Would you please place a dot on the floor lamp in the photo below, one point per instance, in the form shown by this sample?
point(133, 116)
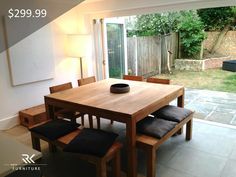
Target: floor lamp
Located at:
point(79, 46)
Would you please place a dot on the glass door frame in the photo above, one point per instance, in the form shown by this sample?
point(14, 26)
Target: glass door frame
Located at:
point(116, 20)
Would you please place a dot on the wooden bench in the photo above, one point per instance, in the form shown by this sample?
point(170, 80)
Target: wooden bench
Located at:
point(113, 154)
point(150, 144)
point(32, 116)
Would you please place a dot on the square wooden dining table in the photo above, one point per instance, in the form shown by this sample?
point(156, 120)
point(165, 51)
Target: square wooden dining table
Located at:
point(129, 108)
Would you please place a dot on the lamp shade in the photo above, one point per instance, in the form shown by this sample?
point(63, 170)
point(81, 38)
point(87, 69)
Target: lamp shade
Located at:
point(79, 45)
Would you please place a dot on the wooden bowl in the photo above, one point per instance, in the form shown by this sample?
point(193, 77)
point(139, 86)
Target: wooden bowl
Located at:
point(119, 88)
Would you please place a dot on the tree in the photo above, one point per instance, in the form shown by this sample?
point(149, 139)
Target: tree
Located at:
point(192, 34)
point(218, 19)
point(154, 24)
point(187, 23)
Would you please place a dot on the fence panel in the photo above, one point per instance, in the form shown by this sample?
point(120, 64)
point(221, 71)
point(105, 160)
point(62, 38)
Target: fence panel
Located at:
point(146, 52)
point(132, 54)
point(149, 56)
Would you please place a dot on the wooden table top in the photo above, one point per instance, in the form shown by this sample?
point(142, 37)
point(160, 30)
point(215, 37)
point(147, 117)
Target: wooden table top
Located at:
point(142, 99)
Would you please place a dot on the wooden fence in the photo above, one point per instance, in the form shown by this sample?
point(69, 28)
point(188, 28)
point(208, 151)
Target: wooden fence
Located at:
point(148, 56)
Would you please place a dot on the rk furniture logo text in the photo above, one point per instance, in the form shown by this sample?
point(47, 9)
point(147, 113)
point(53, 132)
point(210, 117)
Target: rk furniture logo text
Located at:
point(27, 158)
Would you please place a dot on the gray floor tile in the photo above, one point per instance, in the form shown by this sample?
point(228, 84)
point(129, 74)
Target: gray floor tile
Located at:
point(202, 109)
point(233, 121)
point(228, 105)
point(197, 163)
point(207, 128)
point(169, 149)
point(233, 154)
point(163, 171)
point(224, 117)
point(229, 169)
point(199, 115)
point(212, 144)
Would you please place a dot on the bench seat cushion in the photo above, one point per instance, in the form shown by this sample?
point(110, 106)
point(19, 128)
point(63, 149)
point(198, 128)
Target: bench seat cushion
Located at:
point(92, 142)
point(155, 127)
point(172, 113)
point(55, 128)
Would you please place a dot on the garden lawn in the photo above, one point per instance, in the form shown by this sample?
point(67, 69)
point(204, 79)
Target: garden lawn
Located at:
point(211, 79)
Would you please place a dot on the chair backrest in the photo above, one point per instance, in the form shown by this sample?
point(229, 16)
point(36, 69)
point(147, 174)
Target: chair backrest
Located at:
point(87, 80)
point(134, 78)
point(158, 81)
point(61, 87)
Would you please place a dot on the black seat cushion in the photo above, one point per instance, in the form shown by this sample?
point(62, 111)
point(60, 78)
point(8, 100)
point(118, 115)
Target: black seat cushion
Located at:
point(172, 113)
point(92, 142)
point(55, 128)
point(155, 127)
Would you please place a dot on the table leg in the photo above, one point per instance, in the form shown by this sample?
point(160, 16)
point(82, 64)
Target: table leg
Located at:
point(131, 148)
point(180, 103)
point(49, 111)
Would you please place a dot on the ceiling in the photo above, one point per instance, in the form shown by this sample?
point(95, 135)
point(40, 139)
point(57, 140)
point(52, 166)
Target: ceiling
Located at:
point(111, 8)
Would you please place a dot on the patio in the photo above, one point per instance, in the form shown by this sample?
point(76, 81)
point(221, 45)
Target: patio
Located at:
point(212, 105)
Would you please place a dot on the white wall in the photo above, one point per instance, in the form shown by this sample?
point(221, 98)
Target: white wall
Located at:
point(20, 97)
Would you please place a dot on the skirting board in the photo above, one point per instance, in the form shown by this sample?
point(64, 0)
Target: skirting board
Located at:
point(9, 122)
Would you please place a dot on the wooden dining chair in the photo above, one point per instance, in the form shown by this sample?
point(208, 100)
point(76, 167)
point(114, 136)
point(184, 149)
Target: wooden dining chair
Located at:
point(61, 87)
point(85, 81)
point(62, 112)
point(94, 146)
point(133, 78)
point(84, 143)
point(158, 80)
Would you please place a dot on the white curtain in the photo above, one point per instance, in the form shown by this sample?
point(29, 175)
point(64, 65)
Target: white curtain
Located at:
point(99, 48)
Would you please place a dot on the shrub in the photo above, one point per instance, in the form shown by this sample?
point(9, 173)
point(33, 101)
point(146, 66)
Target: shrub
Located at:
point(191, 32)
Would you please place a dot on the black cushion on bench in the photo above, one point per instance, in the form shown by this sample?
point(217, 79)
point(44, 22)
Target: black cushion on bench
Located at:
point(55, 128)
point(155, 127)
point(172, 113)
point(92, 141)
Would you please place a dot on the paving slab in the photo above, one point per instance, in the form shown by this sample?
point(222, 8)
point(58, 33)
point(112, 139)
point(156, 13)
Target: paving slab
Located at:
point(214, 106)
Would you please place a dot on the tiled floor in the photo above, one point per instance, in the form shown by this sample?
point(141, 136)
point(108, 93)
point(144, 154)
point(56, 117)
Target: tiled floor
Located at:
point(211, 153)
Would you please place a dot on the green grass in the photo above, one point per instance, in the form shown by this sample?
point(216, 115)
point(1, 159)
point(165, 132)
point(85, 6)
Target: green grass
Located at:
point(212, 79)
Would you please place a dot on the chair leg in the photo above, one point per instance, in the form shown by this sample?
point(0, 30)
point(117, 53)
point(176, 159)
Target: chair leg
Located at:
point(52, 147)
point(101, 169)
point(151, 162)
point(180, 131)
point(73, 120)
point(116, 165)
point(189, 130)
point(35, 143)
point(82, 119)
point(90, 121)
point(98, 122)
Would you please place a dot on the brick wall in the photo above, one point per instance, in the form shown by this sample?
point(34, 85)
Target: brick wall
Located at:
point(228, 46)
point(214, 62)
point(199, 65)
